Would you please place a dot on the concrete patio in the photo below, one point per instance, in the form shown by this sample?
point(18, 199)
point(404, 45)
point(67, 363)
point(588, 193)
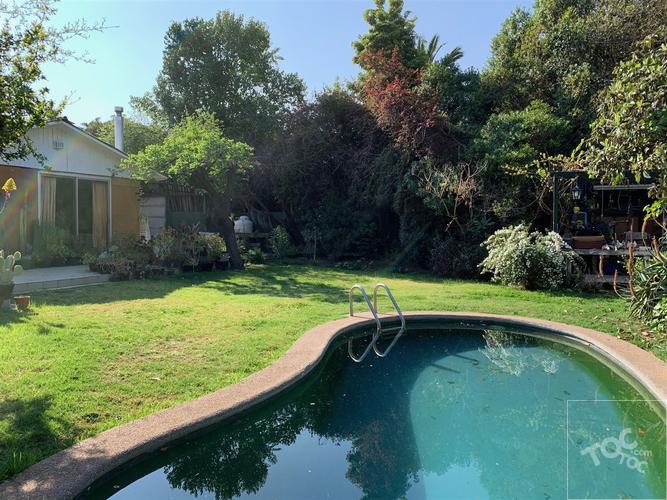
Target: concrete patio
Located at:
point(50, 278)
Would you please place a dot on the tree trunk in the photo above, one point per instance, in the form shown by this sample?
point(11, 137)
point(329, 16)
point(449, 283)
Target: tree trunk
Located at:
point(228, 234)
point(223, 219)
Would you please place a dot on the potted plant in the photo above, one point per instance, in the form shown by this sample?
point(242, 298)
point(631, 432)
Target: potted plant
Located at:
point(22, 302)
point(90, 260)
point(8, 270)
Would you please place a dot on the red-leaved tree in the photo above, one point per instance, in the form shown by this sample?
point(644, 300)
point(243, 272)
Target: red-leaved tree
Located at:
point(404, 106)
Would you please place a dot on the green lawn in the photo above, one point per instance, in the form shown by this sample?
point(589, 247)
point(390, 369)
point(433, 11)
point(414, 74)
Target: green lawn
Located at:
point(87, 359)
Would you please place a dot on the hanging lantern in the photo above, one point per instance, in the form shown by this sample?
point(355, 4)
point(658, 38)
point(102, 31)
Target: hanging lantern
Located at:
point(577, 192)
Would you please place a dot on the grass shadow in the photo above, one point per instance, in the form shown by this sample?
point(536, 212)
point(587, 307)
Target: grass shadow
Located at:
point(29, 434)
point(9, 317)
point(278, 281)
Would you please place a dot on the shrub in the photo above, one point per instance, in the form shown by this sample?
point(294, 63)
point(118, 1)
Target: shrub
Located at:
point(137, 250)
point(453, 258)
point(648, 290)
point(279, 242)
point(181, 246)
point(165, 246)
point(52, 246)
point(530, 260)
point(253, 256)
point(215, 247)
point(658, 320)
point(192, 244)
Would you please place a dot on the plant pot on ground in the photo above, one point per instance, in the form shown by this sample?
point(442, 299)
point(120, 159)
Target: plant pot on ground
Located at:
point(22, 302)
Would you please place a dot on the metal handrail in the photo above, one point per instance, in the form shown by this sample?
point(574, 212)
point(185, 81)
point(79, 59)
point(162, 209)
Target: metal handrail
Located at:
point(373, 309)
point(398, 311)
point(377, 323)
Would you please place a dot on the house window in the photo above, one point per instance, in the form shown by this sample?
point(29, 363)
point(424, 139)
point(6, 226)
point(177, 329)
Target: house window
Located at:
point(78, 205)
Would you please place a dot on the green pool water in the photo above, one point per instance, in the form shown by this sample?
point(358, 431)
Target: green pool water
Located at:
point(450, 413)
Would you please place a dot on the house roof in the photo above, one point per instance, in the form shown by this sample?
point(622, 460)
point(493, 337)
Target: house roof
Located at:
point(88, 135)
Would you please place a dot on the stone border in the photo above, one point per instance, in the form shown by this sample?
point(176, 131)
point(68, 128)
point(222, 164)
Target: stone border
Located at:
point(70, 472)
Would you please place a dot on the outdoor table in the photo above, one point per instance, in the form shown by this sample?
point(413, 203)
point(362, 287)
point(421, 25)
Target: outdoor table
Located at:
point(601, 254)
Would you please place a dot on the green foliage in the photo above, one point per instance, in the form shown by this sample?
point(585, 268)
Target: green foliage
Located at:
point(253, 256)
point(126, 258)
point(227, 66)
point(192, 244)
point(343, 232)
point(658, 320)
point(391, 28)
point(52, 246)
point(181, 247)
point(215, 247)
point(9, 268)
point(533, 261)
point(279, 242)
point(451, 257)
point(29, 40)
point(332, 171)
point(648, 291)
point(459, 94)
point(196, 154)
point(564, 51)
point(167, 248)
point(629, 137)
point(136, 136)
point(513, 141)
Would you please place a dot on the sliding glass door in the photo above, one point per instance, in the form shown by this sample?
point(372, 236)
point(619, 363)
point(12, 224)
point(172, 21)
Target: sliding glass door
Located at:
point(78, 205)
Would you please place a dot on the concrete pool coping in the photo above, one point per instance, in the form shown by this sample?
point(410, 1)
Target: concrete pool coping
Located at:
point(70, 472)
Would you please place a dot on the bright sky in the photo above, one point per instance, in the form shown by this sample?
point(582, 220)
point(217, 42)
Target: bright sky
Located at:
point(314, 38)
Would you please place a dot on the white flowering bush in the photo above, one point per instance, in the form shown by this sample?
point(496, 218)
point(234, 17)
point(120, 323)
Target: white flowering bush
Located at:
point(534, 261)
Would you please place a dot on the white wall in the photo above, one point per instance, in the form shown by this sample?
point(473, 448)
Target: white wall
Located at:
point(154, 208)
point(80, 154)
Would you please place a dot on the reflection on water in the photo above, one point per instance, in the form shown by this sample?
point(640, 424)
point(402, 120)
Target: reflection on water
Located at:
point(469, 414)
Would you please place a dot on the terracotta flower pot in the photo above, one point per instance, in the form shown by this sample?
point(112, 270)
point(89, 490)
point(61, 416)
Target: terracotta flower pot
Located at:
point(6, 290)
point(22, 302)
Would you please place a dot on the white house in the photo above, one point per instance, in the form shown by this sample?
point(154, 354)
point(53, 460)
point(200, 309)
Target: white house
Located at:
point(79, 187)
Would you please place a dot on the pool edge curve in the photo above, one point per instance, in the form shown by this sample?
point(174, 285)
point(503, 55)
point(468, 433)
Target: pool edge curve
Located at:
point(70, 472)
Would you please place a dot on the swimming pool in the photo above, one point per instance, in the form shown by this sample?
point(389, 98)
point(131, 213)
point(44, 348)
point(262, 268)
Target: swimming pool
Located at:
point(455, 411)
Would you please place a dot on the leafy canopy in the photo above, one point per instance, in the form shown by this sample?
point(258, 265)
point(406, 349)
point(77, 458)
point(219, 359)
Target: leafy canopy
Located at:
point(196, 154)
point(136, 135)
point(513, 141)
point(564, 52)
point(390, 28)
point(225, 66)
point(630, 134)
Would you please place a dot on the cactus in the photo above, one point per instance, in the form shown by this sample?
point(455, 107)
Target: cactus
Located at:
point(9, 267)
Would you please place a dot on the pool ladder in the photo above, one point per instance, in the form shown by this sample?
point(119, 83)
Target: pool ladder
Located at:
point(373, 308)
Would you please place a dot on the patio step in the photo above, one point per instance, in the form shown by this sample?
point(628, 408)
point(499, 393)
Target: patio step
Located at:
point(52, 278)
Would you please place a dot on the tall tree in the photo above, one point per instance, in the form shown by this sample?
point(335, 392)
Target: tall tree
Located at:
point(226, 66)
point(390, 28)
point(564, 53)
point(28, 40)
point(328, 169)
point(197, 155)
point(629, 138)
